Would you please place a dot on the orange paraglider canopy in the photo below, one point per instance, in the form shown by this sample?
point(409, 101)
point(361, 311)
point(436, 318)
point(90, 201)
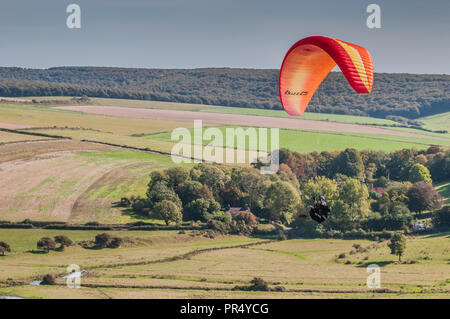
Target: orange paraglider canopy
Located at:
point(309, 61)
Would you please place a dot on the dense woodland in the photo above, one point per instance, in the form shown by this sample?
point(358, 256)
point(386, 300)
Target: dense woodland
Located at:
point(405, 95)
point(369, 191)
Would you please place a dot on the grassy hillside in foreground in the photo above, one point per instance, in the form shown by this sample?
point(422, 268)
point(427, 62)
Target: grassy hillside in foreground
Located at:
point(140, 269)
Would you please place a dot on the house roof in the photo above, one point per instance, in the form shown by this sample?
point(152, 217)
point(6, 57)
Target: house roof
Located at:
point(236, 210)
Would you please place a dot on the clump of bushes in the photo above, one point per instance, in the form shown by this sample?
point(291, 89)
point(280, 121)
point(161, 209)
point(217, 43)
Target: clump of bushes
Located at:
point(234, 227)
point(4, 247)
point(64, 241)
point(116, 242)
point(48, 279)
point(247, 217)
point(105, 240)
point(46, 244)
point(259, 284)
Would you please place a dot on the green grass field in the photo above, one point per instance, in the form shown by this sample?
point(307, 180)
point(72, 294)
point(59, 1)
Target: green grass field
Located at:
point(309, 141)
point(437, 122)
point(444, 189)
point(307, 116)
point(306, 268)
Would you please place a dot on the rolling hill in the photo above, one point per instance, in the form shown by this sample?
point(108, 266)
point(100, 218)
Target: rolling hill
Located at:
point(394, 96)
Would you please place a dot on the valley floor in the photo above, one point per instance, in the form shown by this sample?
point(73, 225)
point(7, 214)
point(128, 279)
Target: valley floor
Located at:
point(156, 264)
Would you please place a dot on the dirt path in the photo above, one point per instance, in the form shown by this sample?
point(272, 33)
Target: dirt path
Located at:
point(238, 119)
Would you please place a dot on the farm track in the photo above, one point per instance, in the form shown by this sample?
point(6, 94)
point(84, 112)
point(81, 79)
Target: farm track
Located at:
point(238, 119)
point(232, 289)
point(180, 257)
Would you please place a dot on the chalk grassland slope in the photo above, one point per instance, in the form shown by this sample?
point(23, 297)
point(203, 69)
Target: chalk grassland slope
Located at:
point(97, 203)
point(122, 130)
point(79, 126)
point(48, 117)
point(234, 119)
point(434, 123)
point(71, 181)
point(49, 101)
point(437, 122)
point(137, 126)
point(306, 268)
point(159, 145)
point(296, 140)
point(340, 118)
point(28, 150)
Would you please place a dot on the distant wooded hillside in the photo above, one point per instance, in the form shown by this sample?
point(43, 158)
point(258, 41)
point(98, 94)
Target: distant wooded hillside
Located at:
point(405, 95)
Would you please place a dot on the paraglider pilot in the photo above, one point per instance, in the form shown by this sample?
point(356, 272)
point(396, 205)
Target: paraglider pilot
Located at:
point(319, 211)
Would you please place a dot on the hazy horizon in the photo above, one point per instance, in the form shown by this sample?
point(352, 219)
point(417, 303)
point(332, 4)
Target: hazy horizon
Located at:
point(176, 34)
point(198, 68)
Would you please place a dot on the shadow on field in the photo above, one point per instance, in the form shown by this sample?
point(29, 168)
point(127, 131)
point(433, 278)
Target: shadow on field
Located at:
point(441, 234)
point(92, 247)
point(380, 264)
point(132, 213)
point(38, 252)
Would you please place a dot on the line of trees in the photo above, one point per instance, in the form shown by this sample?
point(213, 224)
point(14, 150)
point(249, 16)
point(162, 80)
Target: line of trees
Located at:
point(371, 190)
point(206, 192)
point(377, 167)
point(367, 190)
point(395, 96)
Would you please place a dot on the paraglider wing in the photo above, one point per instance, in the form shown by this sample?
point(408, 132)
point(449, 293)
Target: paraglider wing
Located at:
point(309, 61)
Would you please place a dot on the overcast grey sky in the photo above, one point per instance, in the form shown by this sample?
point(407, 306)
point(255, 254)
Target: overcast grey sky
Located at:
point(414, 38)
